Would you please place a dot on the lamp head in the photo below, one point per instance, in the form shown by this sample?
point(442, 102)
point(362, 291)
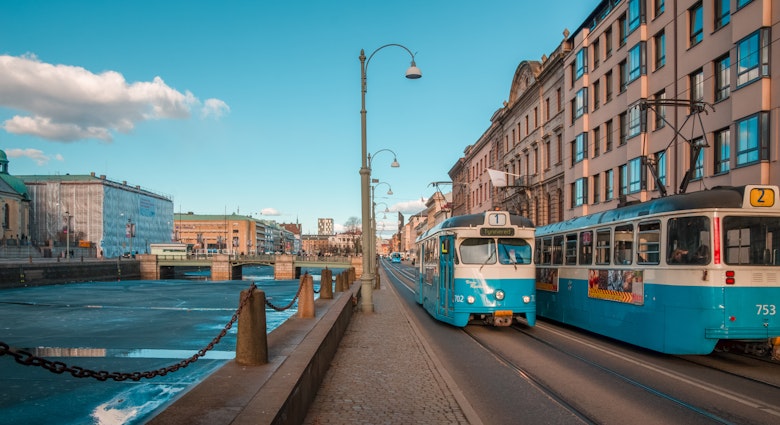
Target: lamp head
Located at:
point(389, 191)
point(395, 163)
point(413, 72)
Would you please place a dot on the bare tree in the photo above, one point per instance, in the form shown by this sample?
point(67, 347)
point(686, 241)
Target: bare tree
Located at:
point(353, 228)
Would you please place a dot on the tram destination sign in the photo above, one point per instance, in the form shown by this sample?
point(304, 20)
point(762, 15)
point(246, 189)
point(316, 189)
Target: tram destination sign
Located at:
point(496, 231)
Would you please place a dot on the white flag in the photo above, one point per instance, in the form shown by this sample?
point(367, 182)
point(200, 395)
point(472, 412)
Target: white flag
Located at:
point(498, 178)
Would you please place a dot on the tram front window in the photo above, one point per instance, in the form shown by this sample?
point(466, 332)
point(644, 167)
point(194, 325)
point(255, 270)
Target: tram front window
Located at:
point(751, 240)
point(514, 251)
point(478, 251)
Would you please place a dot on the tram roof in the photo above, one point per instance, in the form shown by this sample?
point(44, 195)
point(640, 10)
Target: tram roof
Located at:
point(473, 220)
point(717, 197)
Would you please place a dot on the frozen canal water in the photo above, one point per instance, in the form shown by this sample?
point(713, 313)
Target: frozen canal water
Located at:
point(128, 326)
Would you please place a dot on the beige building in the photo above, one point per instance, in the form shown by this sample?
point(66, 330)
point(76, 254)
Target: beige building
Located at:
point(681, 90)
point(14, 207)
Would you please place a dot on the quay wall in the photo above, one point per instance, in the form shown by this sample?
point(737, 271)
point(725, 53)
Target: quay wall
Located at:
point(19, 274)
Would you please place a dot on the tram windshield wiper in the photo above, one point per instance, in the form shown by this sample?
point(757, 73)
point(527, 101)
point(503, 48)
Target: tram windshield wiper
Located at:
point(492, 252)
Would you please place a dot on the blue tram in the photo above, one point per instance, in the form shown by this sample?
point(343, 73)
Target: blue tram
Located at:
point(396, 257)
point(679, 274)
point(478, 268)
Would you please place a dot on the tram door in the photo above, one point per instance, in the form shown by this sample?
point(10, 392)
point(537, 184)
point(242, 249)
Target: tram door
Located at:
point(446, 275)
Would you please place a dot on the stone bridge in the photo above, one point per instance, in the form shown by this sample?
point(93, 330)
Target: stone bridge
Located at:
point(228, 267)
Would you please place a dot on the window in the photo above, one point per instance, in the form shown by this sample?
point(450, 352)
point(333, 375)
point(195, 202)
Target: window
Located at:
point(586, 248)
point(603, 243)
point(722, 151)
point(608, 43)
point(688, 240)
point(596, 52)
point(636, 176)
point(622, 29)
point(660, 49)
point(560, 148)
point(609, 132)
point(659, 7)
point(608, 86)
point(660, 163)
point(636, 120)
point(477, 251)
point(753, 57)
point(722, 78)
point(596, 189)
point(623, 69)
point(636, 14)
point(570, 253)
point(660, 110)
point(580, 64)
point(557, 250)
point(696, 85)
point(751, 240)
point(579, 193)
point(580, 103)
point(752, 142)
point(558, 98)
point(695, 22)
point(596, 94)
point(648, 247)
point(580, 148)
point(623, 128)
point(596, 141)
point(609, 185)
point(742, 3)
point(637, 61)
point(722, 13)
point(623, 176)
point(698, 167)
point(624, 244)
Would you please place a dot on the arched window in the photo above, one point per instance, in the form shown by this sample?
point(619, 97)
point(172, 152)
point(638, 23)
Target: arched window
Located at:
point(6, 216)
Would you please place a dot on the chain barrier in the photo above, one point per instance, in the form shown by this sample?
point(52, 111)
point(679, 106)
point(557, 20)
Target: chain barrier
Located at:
point(292, 301)
point(28, 359)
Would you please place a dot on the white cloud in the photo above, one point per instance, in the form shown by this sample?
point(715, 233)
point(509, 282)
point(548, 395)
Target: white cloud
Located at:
point(67, 103)
point(35, 154)
point(270, 211)
point(409, 207)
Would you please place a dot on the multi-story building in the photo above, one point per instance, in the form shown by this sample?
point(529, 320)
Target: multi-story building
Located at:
point(96, 216)
point(681, 90)
point(14, 207)
point(232, 234)
point(325, 226)
point(645, 97)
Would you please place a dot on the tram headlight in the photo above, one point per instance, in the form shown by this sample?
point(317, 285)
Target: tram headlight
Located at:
point(526, 299)
point(500, 295)
point(470, 299)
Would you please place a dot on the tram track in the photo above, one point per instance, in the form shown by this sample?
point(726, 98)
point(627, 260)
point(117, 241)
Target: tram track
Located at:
point(702, 390)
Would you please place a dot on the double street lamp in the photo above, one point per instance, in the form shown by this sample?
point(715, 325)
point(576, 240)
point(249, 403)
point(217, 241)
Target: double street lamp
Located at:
point(367, 279)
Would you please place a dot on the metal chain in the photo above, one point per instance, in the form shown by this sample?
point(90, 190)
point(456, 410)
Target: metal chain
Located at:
point(28, 359)
point(292, 301)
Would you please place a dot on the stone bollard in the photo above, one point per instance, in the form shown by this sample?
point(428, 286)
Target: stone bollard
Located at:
point(352, 277)
point(326, 284)
point(340, 282)
point(252, 338)
point(306, 299)
point(377, 283)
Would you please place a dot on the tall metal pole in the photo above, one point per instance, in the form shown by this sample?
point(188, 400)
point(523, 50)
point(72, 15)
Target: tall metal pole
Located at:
point(67, 234)
point(366, 279)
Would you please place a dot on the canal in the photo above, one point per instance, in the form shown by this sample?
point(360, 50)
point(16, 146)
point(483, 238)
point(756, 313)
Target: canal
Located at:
point(127, 326)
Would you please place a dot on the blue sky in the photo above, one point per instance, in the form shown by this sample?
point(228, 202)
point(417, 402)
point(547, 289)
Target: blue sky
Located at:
point(253, 106)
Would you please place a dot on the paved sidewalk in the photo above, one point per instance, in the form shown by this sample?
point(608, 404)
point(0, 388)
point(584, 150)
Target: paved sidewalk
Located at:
point(384, 373)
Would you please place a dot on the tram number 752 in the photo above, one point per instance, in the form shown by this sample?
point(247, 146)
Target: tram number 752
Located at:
point(766, 310)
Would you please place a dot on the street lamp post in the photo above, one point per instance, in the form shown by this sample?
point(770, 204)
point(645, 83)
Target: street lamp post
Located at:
point(366, 280)
point(67, 234)
point(372, 258)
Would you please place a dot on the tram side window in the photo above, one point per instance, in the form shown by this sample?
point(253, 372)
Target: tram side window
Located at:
point(478, 251)
point(571, 249)
point(538, 251)
point(603, 243)
point(586, 248)
point(557, 250)
point(687, 240)
point(624, 243)
point(752, 240)
point(648, 248)
point(546, 250)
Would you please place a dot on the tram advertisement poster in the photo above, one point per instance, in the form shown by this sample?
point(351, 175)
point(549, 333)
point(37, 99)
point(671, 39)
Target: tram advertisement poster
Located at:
point(547, 279)
point(626, 286)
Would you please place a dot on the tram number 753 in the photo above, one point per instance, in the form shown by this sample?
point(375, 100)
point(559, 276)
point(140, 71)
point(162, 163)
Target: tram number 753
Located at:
point(766, 310)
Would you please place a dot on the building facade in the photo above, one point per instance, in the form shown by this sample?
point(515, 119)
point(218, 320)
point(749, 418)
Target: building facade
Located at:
point(14, 207)
point(644, 98)
point(325, 226)
point(95, 216)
